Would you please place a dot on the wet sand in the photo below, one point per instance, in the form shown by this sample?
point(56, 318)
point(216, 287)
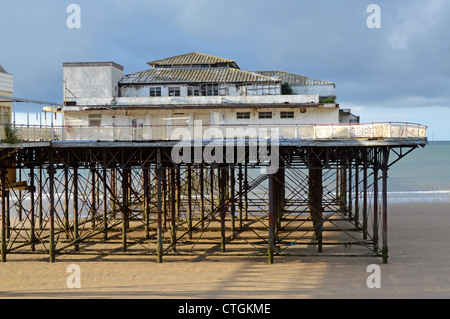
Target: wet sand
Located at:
point(418, 237)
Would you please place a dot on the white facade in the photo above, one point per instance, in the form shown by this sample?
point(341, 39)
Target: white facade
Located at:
point(161, 123)
point(91, 80)
point(6, 89)
point(152, 103)
point(6, 82)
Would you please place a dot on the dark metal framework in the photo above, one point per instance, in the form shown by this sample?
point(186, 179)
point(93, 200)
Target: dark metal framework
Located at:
point(109, 198)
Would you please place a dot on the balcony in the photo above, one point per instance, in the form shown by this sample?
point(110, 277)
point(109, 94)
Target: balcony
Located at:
point(311, 132)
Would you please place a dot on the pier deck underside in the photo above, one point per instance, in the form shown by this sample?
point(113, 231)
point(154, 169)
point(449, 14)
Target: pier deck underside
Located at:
point(322, 199)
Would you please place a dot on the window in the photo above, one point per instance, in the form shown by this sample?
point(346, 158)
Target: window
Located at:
point(287, 115)
point(155, 91)
point(95, 119)
point(210, 89)
point(193, 91)
point(242, 115)
point(174, 91)
point(265, 115)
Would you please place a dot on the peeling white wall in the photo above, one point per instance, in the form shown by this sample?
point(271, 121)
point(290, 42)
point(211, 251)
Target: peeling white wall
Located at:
point(91, 80)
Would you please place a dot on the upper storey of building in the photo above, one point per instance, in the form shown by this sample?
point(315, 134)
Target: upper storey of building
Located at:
point(6, 82)
point(189, 79)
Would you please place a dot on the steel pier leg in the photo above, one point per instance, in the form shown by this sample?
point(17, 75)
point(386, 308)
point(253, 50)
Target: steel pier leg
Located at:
point(159, 171)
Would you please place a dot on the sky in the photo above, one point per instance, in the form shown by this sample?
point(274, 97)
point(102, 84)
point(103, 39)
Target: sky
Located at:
point(397, 72)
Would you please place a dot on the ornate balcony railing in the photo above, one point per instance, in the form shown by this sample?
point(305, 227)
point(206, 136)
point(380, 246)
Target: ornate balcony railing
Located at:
point(353, 131)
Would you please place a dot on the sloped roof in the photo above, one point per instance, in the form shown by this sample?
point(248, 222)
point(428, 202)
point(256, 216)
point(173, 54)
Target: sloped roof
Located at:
point(213, 75)
point(292, 78)
point(191, 58)
point(2, 70)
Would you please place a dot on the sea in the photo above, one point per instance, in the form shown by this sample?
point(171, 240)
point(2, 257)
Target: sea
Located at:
point(422, 175)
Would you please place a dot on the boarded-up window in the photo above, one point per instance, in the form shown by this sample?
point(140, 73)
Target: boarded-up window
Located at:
point(95, 119)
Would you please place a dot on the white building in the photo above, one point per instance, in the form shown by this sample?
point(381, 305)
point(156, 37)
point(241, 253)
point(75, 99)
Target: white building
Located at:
point(6, 89)
point(180, 90)
point(304, 85)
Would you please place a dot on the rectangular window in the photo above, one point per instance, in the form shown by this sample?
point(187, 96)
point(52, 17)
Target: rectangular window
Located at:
point(155, 91)
point(287, 115)
point(210, 90)
point(95, 119)
point(193, 91)
point(265, 115)
point(242, 115)
point(174, 91)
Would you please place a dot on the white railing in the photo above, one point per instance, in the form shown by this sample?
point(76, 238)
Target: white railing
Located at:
point(37, 133)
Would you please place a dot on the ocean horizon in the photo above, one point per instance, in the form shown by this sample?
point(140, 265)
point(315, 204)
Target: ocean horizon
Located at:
point(421, 176)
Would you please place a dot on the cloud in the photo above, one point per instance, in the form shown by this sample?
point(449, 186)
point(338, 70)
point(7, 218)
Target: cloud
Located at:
point(403, 64)
point(415, 20)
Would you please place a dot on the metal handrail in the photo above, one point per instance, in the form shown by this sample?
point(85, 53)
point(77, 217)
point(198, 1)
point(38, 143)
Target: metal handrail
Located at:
point(349, 131)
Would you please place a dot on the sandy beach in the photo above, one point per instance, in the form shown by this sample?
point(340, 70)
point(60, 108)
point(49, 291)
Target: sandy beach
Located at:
point(418, 268)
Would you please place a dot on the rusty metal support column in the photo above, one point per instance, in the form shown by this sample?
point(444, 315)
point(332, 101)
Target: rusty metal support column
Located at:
point(40, 207)
point(365, 204)
point(125, 190)
point(281, 191)
point(165, 195)
point(343, 189)
point(232, 200)
point(105, 203)
point(246, 191)
point(375, 207)
point(159, 234)
point(356, 194)
point(130, 192)
point(338, 196)
point(350, 190)
point(93, 196)
point(3, 217)
point(66, 201)
point(173, 225)
point(240, 179)
point(222, 172)
point(211, 191)
point(51, 177)
point(189, 199)
point(315, 202)
point(75, 208)
point(19, 210)
point(384, 248)
point(178, 188)
point(272, 217)
point(146, 208)
point(32, 217)
point(114, 192)
point(202, 194)
point(8, 216)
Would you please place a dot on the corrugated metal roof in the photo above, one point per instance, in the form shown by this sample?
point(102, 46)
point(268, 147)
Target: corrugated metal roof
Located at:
point(190, 58)
point(164, 76)
point(293, 78)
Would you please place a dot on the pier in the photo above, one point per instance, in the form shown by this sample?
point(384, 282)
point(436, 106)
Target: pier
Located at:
point(326, 197)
